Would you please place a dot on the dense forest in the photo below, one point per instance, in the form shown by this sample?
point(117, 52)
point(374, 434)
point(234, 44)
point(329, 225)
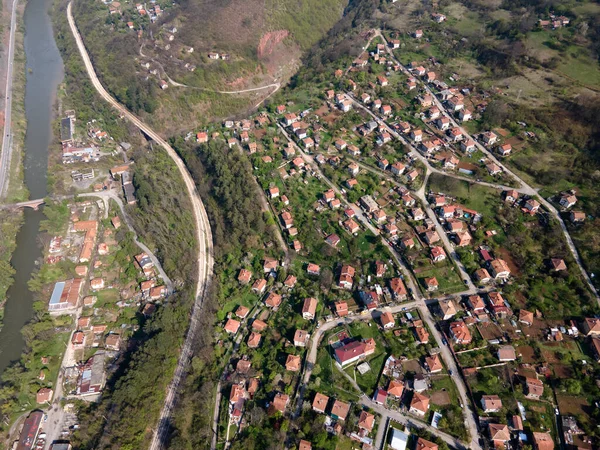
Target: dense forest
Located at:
point(239, 227)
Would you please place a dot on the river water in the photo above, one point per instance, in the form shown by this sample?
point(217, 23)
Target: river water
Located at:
point(45, 73)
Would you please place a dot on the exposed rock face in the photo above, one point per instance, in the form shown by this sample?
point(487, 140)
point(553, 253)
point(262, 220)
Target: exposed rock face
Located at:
point(269, 41)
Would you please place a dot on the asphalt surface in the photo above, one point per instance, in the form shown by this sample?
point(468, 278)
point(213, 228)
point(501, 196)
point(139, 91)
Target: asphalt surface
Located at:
point(6, 137)
point(203, 231)
point(420, 303)
point(524, 189)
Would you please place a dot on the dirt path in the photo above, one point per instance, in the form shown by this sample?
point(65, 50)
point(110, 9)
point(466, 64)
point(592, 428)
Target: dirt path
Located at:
point(203, 231)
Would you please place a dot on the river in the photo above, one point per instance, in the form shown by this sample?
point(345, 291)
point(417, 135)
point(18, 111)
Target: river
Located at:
point(45, 73)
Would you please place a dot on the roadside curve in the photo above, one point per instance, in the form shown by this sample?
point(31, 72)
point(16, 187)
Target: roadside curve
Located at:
point(205, 260)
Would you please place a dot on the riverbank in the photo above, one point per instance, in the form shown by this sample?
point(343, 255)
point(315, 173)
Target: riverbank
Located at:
point(11, 221)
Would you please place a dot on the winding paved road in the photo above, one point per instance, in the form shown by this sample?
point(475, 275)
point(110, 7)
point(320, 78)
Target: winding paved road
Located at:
point(110, 195)
point(420, 302)
point(205, 260)
point(525, 188)
point(5, 156)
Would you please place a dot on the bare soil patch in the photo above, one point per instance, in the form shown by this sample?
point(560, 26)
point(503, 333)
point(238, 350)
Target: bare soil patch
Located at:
point(412, 365)
point(440, 398)
point(573, 405)
point(489, 331)
point(506, 256)
point(527, 354)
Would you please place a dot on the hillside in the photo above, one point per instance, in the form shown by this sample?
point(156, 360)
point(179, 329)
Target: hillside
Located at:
point(187, 62)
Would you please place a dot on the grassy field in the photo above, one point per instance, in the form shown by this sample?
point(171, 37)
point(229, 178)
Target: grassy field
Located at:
point(446, 275)
point(482, 199)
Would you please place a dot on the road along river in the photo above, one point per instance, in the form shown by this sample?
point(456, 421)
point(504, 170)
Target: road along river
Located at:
point(44, 73)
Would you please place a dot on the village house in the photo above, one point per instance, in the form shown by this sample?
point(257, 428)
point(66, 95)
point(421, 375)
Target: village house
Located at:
point(339, 410)
point(290, 281)
point(476, 303)
point(504, 149)
point(395, 388)
point(309, 308)
point(493, 168)
point(270, 265)
point(460, 333)
point(398, 289)
point(419, 405)
point(112, 341)
point(526, 317)
point(273, 300)
point(567, 200)
point(304, 445)
point(346, 277)
point(443, 123)
point(499, 434)
point(542, 441)
point(416, 135)
point(491, 403)
point(483, 276)
point(532, 206)
point(499, 269)
point(455, 104)
point(433, 112)
point(431, 237)
point(351, 226)
point(78, 340)
point(423, 444)
point(273, 192)
point(468, 146)
point(387, 320)
point(506, 353)
point(366, 421)
point(434, 363)
point(319, 403)
point(313, 269)
point(489, 137)
point(498, 305)
point(380, 396)
point(591, 326)
point(301, 338)
point(511, 196)
point(390, 229)
point(533, 389)
point(462, 238)
point(354, 351)
point(44, 395)
point(417, 214)
point(259, 286)
point(437, 254)
point(341, 309)
point(558, 265)
point(232, 326)
point(447, 308)
point(431, 284)
point(242, 312)
point(422, 334)
point(465, 115)
point(577, 216)
point(244, 276)
point(279, 403)
point(293, 363)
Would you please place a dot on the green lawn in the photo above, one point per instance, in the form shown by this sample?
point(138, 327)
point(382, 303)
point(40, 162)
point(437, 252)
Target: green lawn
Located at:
point(107, 298)
point(482, 199)
point(368, 381)
point(446, 275)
